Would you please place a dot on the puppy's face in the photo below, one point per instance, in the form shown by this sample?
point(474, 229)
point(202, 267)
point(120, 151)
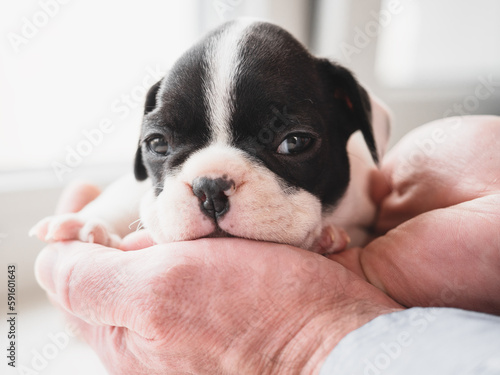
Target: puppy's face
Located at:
point(246, 137)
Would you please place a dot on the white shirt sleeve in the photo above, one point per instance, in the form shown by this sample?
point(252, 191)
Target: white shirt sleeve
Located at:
point(418, 341)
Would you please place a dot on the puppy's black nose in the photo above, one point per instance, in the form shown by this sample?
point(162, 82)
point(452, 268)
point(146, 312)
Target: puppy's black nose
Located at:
point(213, 195)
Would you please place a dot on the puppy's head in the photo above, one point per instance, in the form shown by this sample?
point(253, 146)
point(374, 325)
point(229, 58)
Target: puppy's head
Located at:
point(246, 136)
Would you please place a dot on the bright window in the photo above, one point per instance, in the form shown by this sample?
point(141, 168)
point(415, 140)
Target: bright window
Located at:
point(73, 76)
point(436, 43)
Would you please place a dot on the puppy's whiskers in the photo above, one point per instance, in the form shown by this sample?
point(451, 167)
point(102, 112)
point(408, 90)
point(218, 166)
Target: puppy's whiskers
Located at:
point(289, 190)
point(140, 225)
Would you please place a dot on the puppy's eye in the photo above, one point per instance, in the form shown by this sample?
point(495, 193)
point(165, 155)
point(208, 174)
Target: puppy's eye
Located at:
point(158, 145)
point(294, 144)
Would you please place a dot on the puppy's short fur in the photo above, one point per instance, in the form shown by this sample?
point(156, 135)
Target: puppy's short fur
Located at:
point(248, 136)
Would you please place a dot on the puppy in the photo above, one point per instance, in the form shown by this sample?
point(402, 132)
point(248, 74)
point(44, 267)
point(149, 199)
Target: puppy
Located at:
point(249, 136)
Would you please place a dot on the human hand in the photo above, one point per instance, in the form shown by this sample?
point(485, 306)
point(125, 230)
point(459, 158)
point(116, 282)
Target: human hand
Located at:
point(442, 218)
point(295, 283)
point(209, 306)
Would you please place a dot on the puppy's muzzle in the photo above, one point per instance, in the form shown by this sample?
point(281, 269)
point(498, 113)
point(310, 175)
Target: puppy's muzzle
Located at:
point(213, 195)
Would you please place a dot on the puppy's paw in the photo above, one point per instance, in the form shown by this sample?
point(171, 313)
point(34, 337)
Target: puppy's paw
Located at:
point(58, 228)
point(332, 240)
point(68, 227)
point(96, 231)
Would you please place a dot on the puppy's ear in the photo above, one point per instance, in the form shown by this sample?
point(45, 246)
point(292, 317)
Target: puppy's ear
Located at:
point(139, 168)
point(151, 98)
point(343, 87)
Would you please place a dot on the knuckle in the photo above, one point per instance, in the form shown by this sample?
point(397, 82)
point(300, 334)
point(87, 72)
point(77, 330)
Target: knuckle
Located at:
point(79, 285)
point(68, 287)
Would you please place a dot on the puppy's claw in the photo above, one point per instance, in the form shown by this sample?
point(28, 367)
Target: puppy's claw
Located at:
point(346, 237)
point(51, 232)
point(40, 229)
point(332, 236)
point(35, 230)
point(96, 231)
point(32, 231)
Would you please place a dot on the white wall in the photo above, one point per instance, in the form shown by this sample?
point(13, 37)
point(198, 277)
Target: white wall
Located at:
point(426, 59)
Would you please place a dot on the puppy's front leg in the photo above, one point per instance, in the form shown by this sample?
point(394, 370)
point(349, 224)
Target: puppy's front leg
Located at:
point(105, 220)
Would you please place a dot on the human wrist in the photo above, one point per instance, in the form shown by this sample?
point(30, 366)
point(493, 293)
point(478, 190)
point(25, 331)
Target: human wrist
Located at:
point(305, 352)
point(325, 333)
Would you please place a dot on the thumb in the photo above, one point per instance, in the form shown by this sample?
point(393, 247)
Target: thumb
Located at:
point(446, 257)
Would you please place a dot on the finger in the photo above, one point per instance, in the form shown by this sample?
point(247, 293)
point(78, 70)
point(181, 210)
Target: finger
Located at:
point(76, 196)
point(107, 341)
point(103, 286)
point(73, 325)
point(136, 241)
point(443, 257)
point(427, 172)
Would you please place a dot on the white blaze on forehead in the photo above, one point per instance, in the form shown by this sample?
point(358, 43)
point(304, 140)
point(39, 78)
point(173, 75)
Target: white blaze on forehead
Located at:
point(223, 64)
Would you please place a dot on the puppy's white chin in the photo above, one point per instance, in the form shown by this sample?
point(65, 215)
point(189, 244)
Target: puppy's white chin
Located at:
point(260, 208)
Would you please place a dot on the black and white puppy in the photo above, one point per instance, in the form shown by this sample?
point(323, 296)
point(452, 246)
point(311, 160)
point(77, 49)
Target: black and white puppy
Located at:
point(248, 136)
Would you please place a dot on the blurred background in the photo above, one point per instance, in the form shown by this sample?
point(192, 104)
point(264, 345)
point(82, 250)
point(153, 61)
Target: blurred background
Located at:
point(73, 76)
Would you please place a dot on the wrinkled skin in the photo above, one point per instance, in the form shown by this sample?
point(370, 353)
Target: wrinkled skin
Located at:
point(442, 218)
point(226, 306)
